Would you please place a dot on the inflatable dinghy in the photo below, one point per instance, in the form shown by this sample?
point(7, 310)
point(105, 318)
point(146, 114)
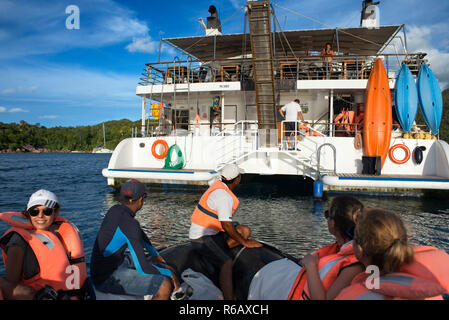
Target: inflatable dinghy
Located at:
point(246, 263)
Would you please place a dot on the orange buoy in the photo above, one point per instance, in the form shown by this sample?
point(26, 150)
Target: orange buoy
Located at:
point(403, 147)
point(153, 149)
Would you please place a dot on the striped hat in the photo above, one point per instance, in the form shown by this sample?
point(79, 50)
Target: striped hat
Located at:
point(43, 198)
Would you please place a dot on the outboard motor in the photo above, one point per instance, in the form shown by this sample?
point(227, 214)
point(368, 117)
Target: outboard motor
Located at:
point(370, 14)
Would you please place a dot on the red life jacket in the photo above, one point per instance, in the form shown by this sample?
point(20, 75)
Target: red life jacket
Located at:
point(332, 260)
point(206, 217)
point(426, 278)
point(61, 258)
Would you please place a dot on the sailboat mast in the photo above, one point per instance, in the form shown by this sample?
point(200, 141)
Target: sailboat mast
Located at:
point(104, 137)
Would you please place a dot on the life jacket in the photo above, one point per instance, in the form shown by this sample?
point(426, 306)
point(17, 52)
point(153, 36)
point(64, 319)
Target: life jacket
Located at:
point(197, 120)
point(359, 120)
point(57, 255)
point(305, 129)
point(344, 120)
point(206, 217)
point(332, 260)
point(426, 278)
point(349, 120)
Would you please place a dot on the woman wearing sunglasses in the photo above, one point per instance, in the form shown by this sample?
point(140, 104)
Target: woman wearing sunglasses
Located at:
point(331, 268)
point(43, 250)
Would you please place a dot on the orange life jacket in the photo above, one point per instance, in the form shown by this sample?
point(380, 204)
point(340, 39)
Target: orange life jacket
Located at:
point(61, 258)
point(359, 120)
point(345, 119)
point(197, 120)
point(332, 260)
point(426, 278)
point(206, 217)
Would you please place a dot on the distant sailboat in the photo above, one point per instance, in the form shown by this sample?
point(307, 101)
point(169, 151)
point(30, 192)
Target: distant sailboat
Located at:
point(103, 148)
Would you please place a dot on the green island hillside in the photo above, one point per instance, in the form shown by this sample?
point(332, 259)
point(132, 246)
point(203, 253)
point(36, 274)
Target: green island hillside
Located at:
point(24, 137)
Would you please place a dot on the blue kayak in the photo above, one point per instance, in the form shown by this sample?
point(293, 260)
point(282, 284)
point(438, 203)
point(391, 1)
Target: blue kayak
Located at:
point(430, 98)
point(405, 98)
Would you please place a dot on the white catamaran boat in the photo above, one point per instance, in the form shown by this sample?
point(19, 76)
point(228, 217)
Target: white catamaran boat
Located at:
point(103, 148)
point(216, 103)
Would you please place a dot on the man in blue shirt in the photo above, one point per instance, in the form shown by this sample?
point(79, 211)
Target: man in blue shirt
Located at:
point(117, 271)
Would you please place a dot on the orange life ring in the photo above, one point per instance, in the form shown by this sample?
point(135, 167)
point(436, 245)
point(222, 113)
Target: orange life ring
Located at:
point(403, 147)
point(153, 149)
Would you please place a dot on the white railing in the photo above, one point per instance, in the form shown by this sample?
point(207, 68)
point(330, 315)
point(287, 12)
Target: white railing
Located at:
point(301, 131)
point(239, 128)
point(236, 142)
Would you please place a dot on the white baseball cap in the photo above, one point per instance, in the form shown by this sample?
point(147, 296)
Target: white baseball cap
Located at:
point(43, 198)
point(230, 171)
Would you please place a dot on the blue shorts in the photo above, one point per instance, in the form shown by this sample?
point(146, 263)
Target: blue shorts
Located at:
point(127, 281)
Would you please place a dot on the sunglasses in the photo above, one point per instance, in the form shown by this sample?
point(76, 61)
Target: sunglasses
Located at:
point(35, 211)
point(326, 214)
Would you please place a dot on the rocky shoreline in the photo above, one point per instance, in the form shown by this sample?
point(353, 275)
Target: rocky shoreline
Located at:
point(31, 149)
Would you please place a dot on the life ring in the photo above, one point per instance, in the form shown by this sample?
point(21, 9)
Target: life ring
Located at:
point(403, 147)
point(153, 149)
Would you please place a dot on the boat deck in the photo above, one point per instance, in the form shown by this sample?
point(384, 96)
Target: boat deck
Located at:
point(162, 170)
point(384, 183)
point(402, 177)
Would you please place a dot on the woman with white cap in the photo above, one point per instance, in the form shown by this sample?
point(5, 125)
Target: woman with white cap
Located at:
point(43, 250)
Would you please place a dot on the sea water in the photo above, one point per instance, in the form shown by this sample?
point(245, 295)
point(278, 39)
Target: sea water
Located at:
point(292, 221)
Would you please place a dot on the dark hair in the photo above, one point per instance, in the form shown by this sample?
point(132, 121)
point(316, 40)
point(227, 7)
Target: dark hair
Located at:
point(328, 43)
point(345, 210)
point(297, 100)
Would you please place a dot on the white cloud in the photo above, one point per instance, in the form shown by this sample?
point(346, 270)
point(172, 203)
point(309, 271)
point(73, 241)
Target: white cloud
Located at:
point(145, 45)
point(420, 39)
point(8, 91)
point(15, 110)
point(237, 3)
point(49, 117)
point(38, 27)
point(18, 89)
point(12, 110)
point(69, 86)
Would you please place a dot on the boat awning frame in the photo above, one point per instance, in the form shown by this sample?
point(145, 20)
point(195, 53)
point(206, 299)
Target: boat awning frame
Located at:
point(355, 41)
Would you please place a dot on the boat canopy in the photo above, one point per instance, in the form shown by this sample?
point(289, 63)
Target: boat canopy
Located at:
point(356, 41)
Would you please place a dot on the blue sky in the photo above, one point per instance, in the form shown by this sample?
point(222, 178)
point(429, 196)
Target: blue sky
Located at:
point(59, 77)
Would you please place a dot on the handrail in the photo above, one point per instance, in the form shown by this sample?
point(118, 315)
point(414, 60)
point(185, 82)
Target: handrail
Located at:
point(319, 157)
point(242, 123)
point(295, 68)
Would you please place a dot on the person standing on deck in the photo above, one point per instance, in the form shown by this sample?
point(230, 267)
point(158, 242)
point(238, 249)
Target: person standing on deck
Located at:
point(212, 232)
point(290, 112)
point(326, 55)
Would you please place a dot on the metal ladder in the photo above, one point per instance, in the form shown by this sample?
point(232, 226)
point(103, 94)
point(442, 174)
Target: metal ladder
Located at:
point(259, 17)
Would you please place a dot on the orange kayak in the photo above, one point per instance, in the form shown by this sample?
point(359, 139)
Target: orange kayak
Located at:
point(378, 113)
